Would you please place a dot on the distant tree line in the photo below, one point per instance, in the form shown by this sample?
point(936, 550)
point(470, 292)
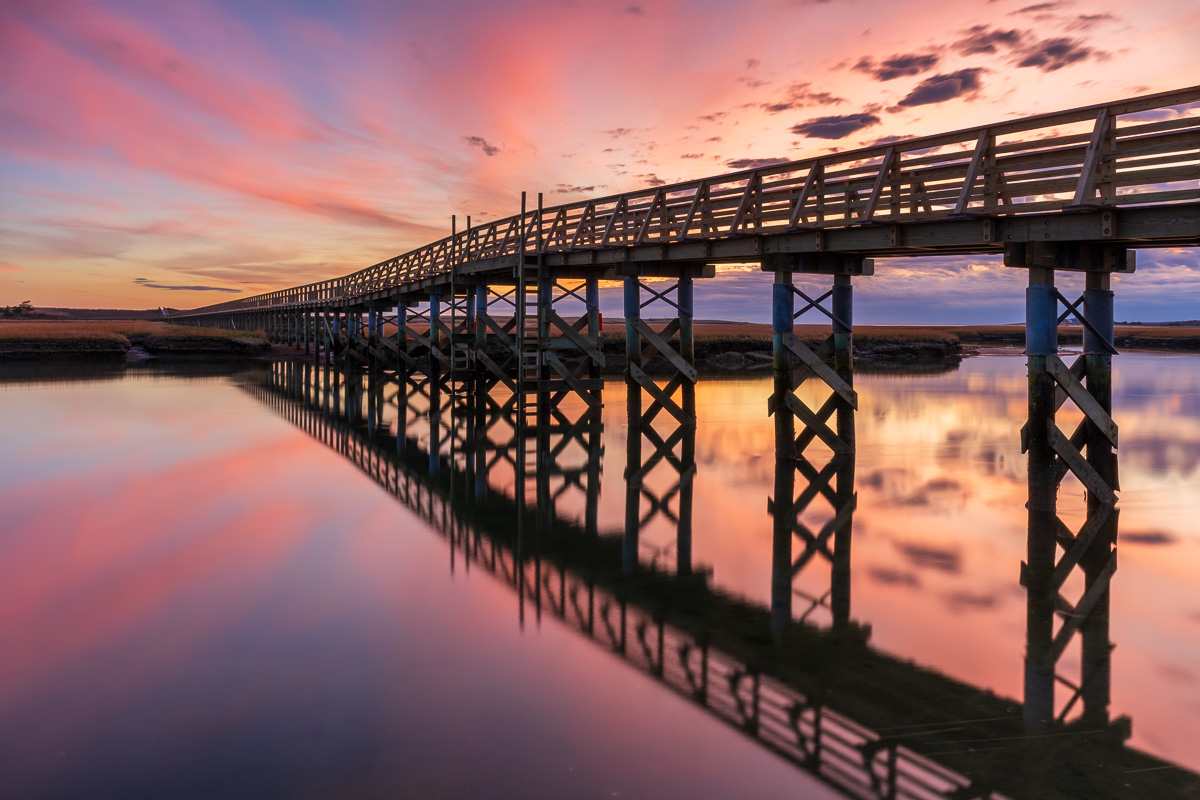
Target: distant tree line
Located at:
point(22, 309)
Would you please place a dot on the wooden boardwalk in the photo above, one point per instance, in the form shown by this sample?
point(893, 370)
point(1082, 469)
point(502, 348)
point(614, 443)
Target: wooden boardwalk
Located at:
point(1120, 174)
point(475, 314)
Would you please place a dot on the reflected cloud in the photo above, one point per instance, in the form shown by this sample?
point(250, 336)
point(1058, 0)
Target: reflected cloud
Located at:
point(1147, 537)
point(1178, 673)
point(962, 600)
point(926, 556)
point(893, 577)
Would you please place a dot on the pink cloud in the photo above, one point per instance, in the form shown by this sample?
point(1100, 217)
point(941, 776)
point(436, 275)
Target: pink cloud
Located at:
point(128, 51)
point(75, 111)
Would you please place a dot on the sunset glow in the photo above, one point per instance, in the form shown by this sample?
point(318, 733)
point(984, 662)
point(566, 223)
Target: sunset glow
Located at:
point(185, 153)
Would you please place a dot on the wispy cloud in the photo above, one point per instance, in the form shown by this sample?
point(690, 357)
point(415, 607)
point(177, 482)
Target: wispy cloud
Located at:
point(146, 283)
point(801, 95)
point(487, 147)
point(754, 163)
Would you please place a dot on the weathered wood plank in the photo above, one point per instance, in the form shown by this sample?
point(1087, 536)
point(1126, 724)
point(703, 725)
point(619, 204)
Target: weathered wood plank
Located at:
point(1081, 611)
point(659, 396)
point(1066, 378)
point(593, 352)
point(1079, 466)
point(885, 168)
point(1083, 540)
point(664, 349)
point(973, 170)
point(810, 420)
point(822, 370)
point(570, 379)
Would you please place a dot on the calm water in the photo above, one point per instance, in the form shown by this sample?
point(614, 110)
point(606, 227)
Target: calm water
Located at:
point(249, 585)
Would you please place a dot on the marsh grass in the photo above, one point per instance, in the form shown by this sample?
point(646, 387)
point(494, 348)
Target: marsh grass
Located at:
point(59, 331)
point(745, 336)
point(113, 339)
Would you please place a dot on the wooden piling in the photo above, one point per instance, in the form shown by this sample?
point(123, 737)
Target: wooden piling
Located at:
point(1041, 344)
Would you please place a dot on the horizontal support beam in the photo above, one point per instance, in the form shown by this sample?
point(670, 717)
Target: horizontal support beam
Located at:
point(666, 269)
point(818, 263)
point(1070, 256)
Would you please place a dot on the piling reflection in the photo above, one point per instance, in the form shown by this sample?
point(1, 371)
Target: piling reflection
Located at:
point(660, 464)
point(520, 503)
point(832, 485)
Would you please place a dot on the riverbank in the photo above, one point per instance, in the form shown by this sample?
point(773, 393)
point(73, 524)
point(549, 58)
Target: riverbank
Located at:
point(719, 346)
point(122, 341)
point(735, 346)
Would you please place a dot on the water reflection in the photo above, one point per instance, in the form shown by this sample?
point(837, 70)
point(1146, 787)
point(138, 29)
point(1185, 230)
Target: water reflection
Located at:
point(660, 465)
point(833, 484)
point(520, 501)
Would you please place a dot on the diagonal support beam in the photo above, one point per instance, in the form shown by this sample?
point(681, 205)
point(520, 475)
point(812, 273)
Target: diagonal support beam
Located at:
point(1084, 471)
point(822, 370)
point(664, 349)
point(1090, 406)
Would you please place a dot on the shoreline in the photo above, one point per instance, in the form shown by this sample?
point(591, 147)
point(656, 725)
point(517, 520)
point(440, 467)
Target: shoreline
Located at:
point(719, 346)
point(123, 342)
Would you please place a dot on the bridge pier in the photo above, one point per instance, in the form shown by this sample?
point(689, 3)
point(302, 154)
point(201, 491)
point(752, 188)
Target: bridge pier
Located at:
point(653, 481)
point(677, 448)
point(569, 354)
point(794, 364)
point(642, 342)
point(831, 362)
point(1052, 455)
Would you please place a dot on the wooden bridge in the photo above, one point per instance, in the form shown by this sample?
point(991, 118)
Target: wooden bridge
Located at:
point(1073, 190)
point(866, 722)
point(1113, 175)
point(478, 313)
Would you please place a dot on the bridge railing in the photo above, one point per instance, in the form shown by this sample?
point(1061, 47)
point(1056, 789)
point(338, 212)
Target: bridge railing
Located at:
point(1133, 152)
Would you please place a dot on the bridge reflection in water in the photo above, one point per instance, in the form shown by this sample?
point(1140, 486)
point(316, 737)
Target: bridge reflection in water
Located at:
point(516, 494)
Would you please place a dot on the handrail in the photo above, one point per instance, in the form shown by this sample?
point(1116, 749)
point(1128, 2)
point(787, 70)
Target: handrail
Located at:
point(1119, 160)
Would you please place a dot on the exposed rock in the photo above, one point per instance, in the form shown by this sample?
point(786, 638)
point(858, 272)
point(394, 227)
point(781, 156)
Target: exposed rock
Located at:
point(138, 353)
point(729, 361)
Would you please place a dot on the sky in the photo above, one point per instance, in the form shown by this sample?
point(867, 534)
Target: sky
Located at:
point(186, 152)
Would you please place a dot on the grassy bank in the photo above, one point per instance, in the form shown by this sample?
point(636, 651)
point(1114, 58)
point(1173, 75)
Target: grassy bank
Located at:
point(744, 344)
point(112, 341)
point(735, 346)
point(1131, 337)
point(716, 337)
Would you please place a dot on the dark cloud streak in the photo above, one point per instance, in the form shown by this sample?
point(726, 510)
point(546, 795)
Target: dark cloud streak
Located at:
point(940, 88)
point(754, 163)
point(1049, 55)
point(146, 283)
point(487, 147)
point(982, 39)
point(835, 127)
point(897, 66)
